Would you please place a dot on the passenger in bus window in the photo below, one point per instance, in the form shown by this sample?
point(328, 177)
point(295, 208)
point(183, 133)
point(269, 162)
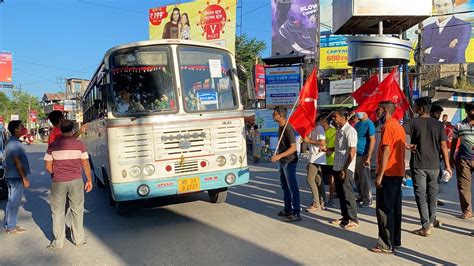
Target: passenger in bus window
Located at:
point(133, 105)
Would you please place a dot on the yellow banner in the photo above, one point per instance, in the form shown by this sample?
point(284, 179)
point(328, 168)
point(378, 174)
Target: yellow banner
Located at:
point(333, 57)
point(211, 21)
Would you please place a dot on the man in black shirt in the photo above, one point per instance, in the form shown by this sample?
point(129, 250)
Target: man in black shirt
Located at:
point(288, 159)
point(428, 140)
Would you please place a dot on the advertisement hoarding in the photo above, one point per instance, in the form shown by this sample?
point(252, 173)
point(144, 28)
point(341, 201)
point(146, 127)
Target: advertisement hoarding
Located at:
point(282, 85)
point(259, 82)
point(333, 51)
point(344, 86)
point(295, 27)
point(264, 120)
point(211, 21)
point(391, 8)
point(447, 39)
point(5, 67)
point(33, 116)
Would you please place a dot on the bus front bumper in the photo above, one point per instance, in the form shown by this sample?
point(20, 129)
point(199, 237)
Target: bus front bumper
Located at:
point(180, 185)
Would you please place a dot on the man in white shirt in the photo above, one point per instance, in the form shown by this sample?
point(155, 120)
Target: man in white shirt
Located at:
point(344, 168)
point(317, 157)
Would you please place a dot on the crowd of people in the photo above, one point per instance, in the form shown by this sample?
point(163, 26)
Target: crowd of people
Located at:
point(341, 146)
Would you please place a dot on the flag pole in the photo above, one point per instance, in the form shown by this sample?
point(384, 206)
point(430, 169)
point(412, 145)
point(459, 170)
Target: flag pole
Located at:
point(286, 124)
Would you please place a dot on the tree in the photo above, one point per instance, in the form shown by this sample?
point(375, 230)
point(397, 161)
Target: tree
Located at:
point(21, 102)
point(247, 50)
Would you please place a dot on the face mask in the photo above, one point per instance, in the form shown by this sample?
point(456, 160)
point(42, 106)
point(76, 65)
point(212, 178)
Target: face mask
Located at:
point(360, 116)
point(383, 118)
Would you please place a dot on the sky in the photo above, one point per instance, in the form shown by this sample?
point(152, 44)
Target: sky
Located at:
point(52, 40)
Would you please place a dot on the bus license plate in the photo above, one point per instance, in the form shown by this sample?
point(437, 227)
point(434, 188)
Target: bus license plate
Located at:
point(188, 185)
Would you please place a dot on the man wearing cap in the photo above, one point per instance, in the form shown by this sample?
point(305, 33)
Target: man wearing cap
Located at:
point(365, 146)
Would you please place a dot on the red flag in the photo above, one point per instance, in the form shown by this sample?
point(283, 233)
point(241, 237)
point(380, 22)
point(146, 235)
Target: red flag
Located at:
point(388, 90)
point(364, 91)
point(303, 118)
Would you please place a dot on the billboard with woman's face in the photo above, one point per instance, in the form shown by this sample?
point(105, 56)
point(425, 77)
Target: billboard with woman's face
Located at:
point(211, 21)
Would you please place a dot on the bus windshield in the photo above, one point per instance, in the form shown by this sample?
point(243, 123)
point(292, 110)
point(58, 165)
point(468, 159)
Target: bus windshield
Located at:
point(142, 82)
point(206, 79)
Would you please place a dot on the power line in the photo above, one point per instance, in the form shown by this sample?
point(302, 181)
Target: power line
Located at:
point(83, 70)
point(42, 65)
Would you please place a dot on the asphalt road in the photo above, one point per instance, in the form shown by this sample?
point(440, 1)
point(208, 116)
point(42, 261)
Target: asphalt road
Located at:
point(244, 230)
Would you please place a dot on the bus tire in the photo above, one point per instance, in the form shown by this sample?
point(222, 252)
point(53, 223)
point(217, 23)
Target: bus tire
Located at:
point(124, 207)
point(217, 195)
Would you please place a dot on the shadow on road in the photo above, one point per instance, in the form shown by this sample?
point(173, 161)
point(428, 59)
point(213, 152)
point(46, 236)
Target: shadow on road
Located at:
point(264, 196)
point(171, 238)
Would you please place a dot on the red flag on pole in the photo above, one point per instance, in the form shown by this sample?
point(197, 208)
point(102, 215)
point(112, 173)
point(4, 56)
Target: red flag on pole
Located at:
point(388, 90)
point(304, 117)
point(364, 91)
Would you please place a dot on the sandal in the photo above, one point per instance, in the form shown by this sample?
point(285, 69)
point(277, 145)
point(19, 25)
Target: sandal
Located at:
point(351, 225)
point(466, 215)
point(422, 232)
point(382, 251)
point(339, 222)
point(313, 208)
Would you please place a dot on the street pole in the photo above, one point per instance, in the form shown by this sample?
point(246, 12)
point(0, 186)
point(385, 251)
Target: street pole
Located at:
point(381, 59)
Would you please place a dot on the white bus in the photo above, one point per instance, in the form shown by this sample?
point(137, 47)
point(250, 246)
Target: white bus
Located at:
point(165, 118)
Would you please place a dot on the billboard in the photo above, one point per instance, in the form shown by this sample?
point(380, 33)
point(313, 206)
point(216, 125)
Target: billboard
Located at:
point(333, 51)
point(295, 27)
point(343, 86)
point(447, 38)
point(211, 21)
point(259, 82)
point(282, 85)
point(5, 67)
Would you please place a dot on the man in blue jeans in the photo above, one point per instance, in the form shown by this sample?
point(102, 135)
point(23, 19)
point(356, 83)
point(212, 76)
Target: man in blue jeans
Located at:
point(288, 159)
point(16, 170)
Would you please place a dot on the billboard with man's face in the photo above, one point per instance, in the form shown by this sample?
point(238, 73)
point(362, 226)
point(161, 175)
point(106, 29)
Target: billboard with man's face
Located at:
point(211, 21)
point(447, 37)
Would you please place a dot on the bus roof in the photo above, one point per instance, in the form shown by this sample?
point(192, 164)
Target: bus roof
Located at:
point(163, 42)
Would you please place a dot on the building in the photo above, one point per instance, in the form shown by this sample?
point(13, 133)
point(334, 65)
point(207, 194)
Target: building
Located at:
point(75, 89)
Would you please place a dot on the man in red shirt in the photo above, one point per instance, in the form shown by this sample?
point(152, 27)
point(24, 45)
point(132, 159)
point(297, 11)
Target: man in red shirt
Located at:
point(64, 160)
point(55, 117)
point(388, 181)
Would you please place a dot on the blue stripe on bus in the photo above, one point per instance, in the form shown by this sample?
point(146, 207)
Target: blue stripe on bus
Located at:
point(169, 186)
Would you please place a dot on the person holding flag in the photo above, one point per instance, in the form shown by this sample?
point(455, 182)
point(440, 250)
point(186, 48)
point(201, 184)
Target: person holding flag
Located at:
point(288, 159)
point(303, 122)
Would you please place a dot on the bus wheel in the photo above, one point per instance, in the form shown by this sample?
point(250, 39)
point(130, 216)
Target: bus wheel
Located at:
point(124, 207)
point(217, 195)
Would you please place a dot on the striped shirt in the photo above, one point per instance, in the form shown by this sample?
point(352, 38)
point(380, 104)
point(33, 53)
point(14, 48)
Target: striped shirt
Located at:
point(346, 138)
point(66, 153)
point(465, 132)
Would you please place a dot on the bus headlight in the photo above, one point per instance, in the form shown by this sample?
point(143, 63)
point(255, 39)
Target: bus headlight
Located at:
point(232, 159)
point(148, 169)
point(143, 190)
point(135, 171)
point(220, 161)
point(230, 178)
